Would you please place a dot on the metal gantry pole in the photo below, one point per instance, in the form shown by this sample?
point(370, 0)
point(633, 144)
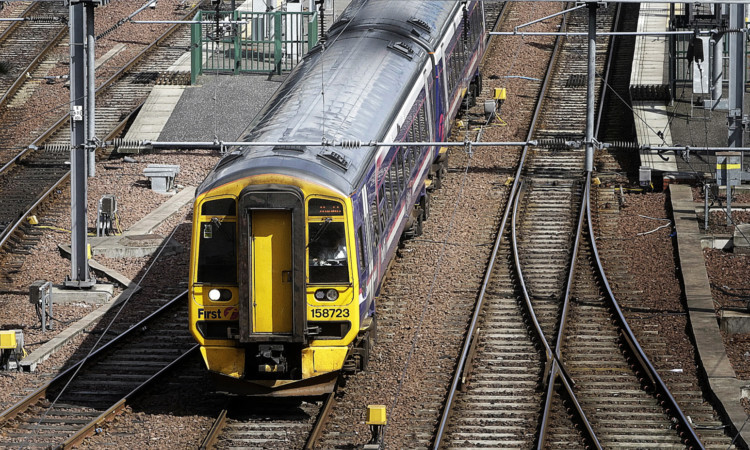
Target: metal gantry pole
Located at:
point(79, 270)
point(590, 89)
point(717, 72)
point(90, 89)
point(736, 76)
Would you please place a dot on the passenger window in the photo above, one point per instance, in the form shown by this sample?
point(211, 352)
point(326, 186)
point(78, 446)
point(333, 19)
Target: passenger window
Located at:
point(327, 253)
point(400, 167)
point(374, 219)
point(393, 181)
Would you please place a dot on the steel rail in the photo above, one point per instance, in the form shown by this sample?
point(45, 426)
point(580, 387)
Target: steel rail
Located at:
point(627, 332)
point(215, 431)
point(33, 65)
point(8, 232)
point(89, 428)
point(683, 427)
point(473, 329)
point(15, 24)
point(553, 366)
point(30, 399)
point(320, 421)
point(557, 367)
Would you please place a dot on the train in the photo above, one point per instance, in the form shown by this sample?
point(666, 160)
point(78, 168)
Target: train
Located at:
point(291, 242)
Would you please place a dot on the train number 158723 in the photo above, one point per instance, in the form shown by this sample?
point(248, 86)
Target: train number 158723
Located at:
point(330, 313)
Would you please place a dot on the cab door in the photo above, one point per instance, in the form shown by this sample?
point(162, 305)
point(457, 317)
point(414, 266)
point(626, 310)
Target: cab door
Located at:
point(271, 271)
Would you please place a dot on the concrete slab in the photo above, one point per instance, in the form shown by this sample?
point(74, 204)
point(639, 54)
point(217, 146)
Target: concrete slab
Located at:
point(722, 379)
point(98, 294)
point(163, 212)
point(734, 322)
point(132, 246)
point(101, 269)
point(138, 240)
point(154, 114)
point(110, 54)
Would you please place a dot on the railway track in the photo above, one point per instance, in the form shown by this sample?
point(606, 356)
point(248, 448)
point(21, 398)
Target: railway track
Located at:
point(596, 379)
point(268, 423)
point(24, 45)
point(68, 408)
point(32, 175)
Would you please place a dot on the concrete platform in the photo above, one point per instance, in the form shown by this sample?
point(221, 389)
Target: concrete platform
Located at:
point(722, 379)
point(652, 117)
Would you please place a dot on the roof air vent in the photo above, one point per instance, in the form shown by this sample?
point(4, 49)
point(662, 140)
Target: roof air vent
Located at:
point(289, 148)
point(420, 23)
point(337, 159)
point(402, 49)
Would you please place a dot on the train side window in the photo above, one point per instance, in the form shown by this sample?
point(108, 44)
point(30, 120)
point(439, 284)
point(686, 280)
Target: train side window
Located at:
point(423, 124)
point(328, 255)
point(217, 260)
point(394, 183)
point(361, 245)
point(401, 170)
point(374, 219)
point(388, 193)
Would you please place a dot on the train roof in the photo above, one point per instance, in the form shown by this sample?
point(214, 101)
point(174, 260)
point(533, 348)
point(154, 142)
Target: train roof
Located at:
point(423, 21)
point(349, 88)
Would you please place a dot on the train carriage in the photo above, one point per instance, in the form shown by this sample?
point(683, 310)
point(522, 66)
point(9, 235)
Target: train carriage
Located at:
point(291, 242)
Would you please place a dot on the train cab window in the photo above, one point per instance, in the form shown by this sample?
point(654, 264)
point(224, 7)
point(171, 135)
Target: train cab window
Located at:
point(327, 253)
point(217, 260)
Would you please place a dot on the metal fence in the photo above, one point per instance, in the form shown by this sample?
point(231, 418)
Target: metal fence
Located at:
point(269, 42)
point(683, 66)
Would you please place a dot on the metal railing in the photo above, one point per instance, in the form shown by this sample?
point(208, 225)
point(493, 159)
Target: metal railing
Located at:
point(252, 42)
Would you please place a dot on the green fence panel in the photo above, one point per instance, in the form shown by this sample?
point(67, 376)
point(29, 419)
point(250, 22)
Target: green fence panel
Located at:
point(196, 63)
point(267, 42)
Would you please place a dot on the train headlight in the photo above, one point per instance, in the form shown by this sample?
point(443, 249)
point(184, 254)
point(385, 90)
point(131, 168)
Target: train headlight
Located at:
point(214, 295)
point(326, 294)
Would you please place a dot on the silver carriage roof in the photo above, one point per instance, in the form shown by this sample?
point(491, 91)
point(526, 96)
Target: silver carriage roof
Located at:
point(349, 88)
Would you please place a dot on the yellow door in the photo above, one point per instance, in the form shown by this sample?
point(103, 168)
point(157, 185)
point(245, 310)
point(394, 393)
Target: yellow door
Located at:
point(271, 251)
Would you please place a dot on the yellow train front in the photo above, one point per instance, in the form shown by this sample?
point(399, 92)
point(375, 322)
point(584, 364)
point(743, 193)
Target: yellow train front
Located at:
point(292, 239)
point(285, 315)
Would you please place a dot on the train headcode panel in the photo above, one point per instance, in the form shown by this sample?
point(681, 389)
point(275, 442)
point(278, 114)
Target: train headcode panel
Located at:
point(326, 208)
